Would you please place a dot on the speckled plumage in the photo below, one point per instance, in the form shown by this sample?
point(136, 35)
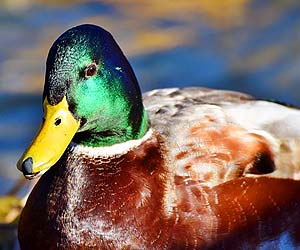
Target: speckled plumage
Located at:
point(216, 170)
point(216, 135)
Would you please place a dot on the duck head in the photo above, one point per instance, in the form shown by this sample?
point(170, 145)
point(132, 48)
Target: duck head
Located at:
point(91, 96)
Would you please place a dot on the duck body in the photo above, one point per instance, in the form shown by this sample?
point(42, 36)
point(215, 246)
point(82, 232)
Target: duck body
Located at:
point(214, 170)
point(152, 197)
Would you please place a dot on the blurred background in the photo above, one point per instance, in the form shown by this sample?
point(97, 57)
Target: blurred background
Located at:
point(246, 45)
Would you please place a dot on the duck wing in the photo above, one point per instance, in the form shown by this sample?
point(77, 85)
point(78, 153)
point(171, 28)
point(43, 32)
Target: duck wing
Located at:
point(234, 168)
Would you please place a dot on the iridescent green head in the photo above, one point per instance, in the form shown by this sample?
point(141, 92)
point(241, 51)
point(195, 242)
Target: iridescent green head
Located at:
point(86, 65)
point(91, 96)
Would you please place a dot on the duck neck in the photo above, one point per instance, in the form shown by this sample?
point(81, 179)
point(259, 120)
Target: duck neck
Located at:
point(134, 127)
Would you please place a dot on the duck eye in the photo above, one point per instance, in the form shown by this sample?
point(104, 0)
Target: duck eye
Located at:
point(90, 70)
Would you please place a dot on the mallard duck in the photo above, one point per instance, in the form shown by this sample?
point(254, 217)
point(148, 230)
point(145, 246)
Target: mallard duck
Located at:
point(190, 168)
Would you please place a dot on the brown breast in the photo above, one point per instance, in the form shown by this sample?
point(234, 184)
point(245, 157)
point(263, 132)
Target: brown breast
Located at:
point(126, 203)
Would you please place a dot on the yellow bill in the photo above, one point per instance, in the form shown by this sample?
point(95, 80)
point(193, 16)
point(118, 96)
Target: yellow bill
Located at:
point(54, 136)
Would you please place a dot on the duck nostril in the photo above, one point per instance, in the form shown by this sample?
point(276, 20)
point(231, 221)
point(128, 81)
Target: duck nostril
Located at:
point(57, 121)
point(27, 166)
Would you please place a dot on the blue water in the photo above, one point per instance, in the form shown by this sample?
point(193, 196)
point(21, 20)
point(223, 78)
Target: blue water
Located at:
point(257, 53)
